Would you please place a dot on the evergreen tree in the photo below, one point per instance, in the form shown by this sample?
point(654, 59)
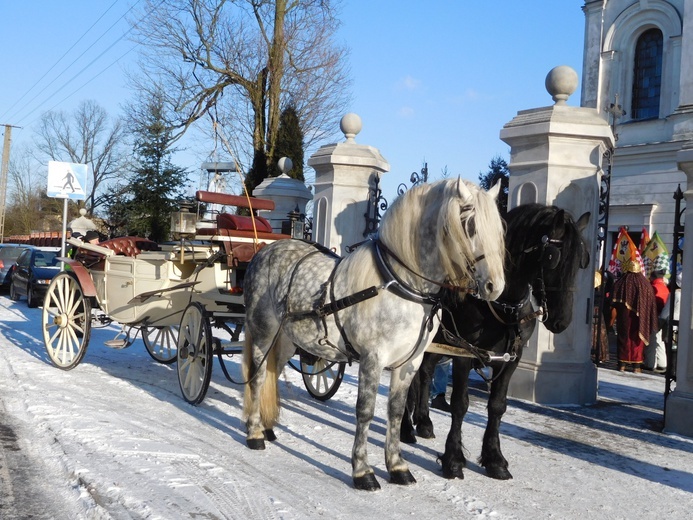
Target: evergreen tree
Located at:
point(257, 172)
point(156, 185)
point(498, 172)
point(290, 143)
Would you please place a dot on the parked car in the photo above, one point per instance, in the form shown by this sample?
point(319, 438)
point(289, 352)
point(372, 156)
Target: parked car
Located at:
point(8, 257)
point(34, 270)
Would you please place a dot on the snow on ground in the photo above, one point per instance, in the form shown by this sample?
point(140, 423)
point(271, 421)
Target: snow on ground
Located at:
point(113, 438)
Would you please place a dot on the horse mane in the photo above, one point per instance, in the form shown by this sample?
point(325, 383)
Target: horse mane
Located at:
point(440, 205)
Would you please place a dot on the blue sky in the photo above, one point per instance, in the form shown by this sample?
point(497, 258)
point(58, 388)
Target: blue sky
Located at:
point(433, 80)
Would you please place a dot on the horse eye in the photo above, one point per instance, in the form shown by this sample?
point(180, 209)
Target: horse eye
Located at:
point(471, 226)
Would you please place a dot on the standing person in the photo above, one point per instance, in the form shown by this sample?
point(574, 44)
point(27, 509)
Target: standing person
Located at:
point(636, 315)
point(440, 384)
point(655, 353)
point(600, 338)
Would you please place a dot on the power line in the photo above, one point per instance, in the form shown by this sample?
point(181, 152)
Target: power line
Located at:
point(59, 60)
point(84, 84)
point(74, 61)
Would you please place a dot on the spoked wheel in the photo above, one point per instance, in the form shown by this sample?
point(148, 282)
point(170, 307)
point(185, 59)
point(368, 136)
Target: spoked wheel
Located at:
point(195, 349)
point(66, 322)
point(321, 377)
point(161, 343)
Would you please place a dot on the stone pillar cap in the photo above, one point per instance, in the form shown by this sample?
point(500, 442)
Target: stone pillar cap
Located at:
point(561, 82)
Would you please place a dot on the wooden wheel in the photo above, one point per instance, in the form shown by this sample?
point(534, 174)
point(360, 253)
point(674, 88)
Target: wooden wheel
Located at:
point(161, 343)
point(66, 322)
point(321, 377)
point(195, 349)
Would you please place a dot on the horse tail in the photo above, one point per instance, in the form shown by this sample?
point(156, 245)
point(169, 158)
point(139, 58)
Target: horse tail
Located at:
point(269, 391)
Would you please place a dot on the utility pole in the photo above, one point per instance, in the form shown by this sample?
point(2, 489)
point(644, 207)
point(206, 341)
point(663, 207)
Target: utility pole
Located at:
point(4, 166)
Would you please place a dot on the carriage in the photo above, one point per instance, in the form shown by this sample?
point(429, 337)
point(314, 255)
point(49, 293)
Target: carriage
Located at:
point(185, 298)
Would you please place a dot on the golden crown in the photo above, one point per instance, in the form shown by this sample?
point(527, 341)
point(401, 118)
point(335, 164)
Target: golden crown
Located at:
point(631, 266)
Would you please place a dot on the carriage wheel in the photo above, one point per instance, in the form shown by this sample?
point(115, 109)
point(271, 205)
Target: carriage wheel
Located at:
point(195, 349)
point(161, 343)
point(66, 321)
point(321, 377)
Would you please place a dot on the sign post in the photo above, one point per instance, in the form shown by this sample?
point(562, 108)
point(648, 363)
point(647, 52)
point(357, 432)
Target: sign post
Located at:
point(66, 181)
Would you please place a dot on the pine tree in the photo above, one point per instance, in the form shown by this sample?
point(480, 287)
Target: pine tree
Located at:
point(290, 142)
point(498, 172)
point(156, 184)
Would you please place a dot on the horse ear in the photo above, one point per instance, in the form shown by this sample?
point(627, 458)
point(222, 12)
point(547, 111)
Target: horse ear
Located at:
point(558, 223)
point(495, 191)
point(582, 221)
point(464, 192)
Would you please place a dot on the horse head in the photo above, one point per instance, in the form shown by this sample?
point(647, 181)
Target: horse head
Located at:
point(545, 250)
point(475, 240)
point(447, 232)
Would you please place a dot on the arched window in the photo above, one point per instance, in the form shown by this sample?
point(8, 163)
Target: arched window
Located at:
point(647, 75)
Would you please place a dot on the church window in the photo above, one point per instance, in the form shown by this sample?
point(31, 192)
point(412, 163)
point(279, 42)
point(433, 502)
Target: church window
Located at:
point(647, 75)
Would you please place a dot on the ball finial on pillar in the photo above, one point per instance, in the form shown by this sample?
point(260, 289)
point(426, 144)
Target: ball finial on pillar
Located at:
point(561, 82)
point(285, 164)
point(350, 125)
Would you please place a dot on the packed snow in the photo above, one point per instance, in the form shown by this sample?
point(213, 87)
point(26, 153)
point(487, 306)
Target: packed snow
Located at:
point(113, 438)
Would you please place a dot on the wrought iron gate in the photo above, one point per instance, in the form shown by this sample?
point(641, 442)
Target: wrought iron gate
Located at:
point(672, 325)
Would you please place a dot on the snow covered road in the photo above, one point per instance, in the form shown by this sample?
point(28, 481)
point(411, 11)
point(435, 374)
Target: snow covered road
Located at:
point(113, 438)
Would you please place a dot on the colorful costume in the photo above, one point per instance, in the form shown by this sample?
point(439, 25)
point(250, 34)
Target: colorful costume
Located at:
point(636, 315)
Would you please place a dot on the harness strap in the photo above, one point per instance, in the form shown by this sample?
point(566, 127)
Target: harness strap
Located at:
point(352, 354)
point(398, 286)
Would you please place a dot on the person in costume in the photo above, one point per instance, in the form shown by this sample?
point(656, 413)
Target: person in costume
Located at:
point(636, 315)
point(655, 352)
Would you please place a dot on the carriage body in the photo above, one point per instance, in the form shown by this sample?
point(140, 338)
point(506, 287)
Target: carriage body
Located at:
point(154, 287)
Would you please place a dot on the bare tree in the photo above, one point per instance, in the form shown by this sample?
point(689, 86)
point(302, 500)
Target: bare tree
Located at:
point(28, 207)
point(241, 62)
point(85, 137)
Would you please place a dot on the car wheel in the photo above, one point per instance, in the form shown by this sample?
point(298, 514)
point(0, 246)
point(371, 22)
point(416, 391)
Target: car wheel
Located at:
point(31, 300)
point(14, 295)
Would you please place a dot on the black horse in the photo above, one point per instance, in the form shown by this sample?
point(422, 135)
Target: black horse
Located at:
point(544, 249)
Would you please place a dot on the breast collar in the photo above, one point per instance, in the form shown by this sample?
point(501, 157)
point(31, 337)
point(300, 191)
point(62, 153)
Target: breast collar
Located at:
point(394, 283)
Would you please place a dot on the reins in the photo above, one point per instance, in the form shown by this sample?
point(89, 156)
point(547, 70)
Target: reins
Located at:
point(499, 309)
point(379, 245)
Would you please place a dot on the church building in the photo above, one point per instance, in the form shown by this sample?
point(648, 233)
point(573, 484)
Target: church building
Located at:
point(635, 74)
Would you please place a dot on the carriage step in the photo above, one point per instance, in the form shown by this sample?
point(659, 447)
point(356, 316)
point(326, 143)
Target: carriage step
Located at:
point(116, 343)
point(232, 347)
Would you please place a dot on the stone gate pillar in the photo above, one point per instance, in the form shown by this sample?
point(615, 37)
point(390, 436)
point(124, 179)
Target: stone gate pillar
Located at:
point(556, 159)
point(678, 413)
point(343, 174)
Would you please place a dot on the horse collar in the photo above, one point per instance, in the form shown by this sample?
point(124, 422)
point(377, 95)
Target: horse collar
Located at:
point(394, 283)
point(513, 310)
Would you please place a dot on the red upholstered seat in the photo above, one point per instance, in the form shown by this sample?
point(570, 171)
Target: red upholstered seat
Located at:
point(243, 223)
point(130, 246)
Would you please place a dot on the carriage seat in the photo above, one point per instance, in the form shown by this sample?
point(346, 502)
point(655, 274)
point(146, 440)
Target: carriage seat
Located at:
point(240, 226)
point(130, 246)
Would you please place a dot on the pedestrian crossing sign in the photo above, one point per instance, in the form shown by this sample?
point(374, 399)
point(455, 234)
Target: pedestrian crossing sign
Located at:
point(67, 180)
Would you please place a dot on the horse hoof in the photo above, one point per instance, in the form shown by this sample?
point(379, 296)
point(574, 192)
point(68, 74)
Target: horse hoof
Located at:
point(407, 438)
point(255, 444)
point(453, 468)
point(403, 478)
point(367, 482)
point(454, 472)
point(499, 473)
point(269, 435)
point(425, 431)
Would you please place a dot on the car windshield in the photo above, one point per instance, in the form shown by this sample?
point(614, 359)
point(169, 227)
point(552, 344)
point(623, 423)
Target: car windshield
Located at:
point(45, 259)
point(10, 253)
